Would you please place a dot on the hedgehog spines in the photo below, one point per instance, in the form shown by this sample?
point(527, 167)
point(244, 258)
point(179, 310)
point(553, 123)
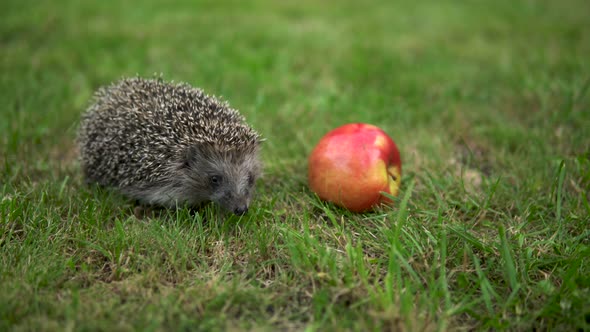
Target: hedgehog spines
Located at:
point(136, 130)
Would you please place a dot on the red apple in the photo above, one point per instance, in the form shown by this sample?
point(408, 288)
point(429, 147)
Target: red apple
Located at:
point(353, 164)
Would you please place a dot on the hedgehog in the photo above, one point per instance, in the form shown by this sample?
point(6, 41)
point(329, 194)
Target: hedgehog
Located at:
point(166, 144)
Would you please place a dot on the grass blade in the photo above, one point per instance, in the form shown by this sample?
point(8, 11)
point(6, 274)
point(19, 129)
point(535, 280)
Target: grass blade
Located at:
point(402, 211)
point(509, 266)
point(487, 291)
point(561, 177)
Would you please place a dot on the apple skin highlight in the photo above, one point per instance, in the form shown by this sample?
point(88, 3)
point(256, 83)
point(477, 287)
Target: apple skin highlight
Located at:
point(352, 164)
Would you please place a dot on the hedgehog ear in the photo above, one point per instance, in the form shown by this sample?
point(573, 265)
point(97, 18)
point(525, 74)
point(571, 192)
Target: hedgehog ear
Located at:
point(189, 157)
point(195, 156)
point(184, 161)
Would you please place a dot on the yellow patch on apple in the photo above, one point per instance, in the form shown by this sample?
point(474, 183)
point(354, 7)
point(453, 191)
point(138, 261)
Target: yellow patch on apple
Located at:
point(395, 179)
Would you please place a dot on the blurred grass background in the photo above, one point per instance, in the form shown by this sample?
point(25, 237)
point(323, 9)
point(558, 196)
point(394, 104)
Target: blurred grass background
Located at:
point(488, 102)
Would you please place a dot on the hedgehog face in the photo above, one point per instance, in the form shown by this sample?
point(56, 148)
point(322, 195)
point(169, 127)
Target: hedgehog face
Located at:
point(226, 178)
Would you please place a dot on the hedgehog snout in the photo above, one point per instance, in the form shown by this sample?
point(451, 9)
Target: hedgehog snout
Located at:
point(239, 207)
point(233, 203)
point(241, 210)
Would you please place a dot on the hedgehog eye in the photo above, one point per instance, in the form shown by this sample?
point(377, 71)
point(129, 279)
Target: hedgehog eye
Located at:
point(215, 180)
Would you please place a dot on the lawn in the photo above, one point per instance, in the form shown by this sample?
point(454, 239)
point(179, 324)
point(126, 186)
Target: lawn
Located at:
point(488, 101)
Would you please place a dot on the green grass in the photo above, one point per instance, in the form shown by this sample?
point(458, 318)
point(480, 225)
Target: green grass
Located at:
point(489, 103)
